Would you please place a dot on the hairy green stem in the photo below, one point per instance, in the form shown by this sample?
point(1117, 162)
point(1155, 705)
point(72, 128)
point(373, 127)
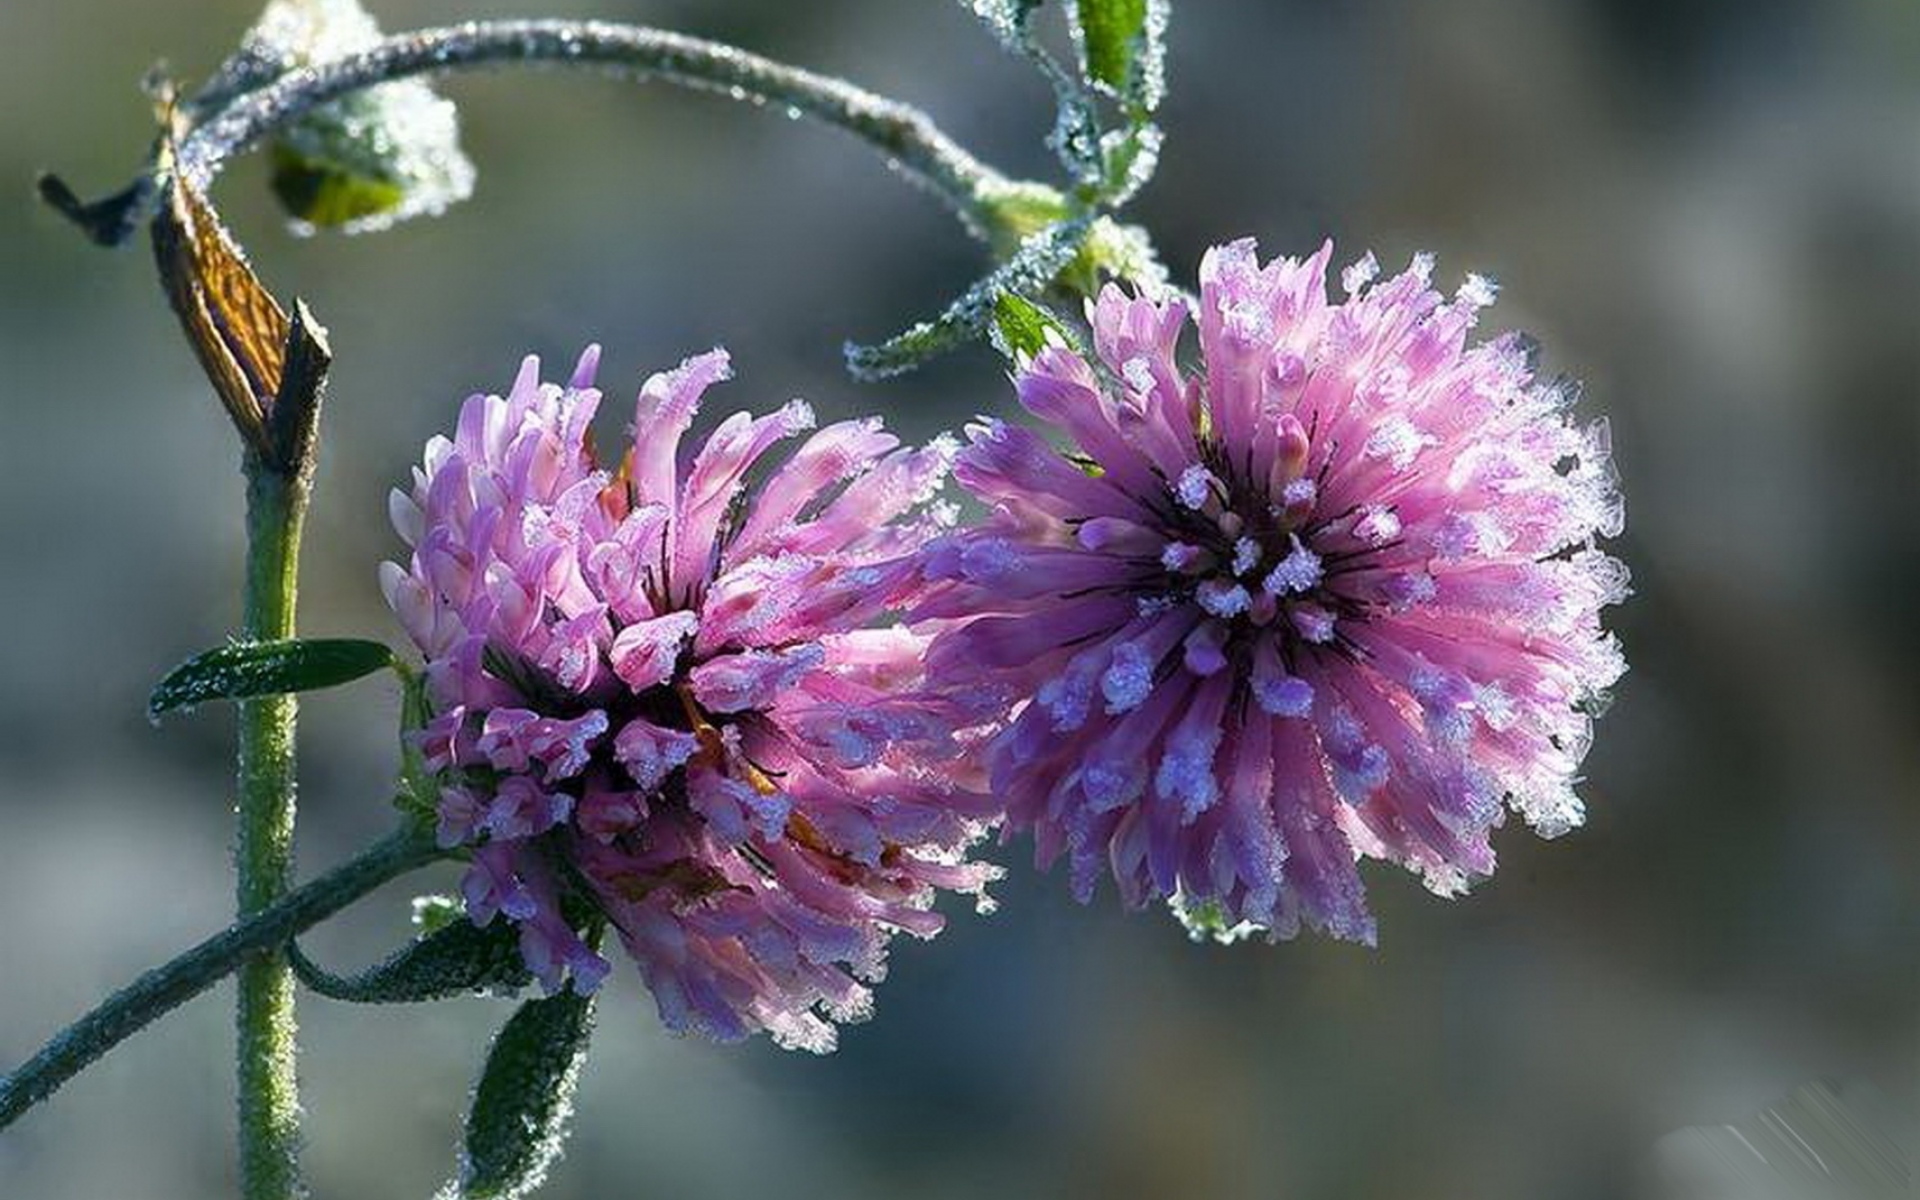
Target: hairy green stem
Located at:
point(166, 987)
point(908, 138)
point(269, 1096)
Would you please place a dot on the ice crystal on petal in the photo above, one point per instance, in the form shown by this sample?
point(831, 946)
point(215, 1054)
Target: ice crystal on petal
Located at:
point(1362, 272)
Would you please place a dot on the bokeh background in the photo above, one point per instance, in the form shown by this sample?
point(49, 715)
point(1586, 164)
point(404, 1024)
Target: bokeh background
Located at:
point(1708, 209)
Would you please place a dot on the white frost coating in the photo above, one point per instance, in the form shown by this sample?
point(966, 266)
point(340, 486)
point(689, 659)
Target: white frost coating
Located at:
point(1138, 374)
point(1196, 485)
point(1551, 810)
point(1186, 771)
point(1066, 698)
point(1397, 440)
point(1249, 321)
point(988, 560)
point(1495, 707)
point(1312, 622)
point(1377, 525)
point(1287, 696)
point(1359, 773)
point(1180, 557)
point(1410, 588)
point(1223, 598)
point(1477, 291)
point(1299, 571)
point(1360, 273)
point(1443, 880)
point(1128, 680)
point(1246, 555)
point(1465, 535)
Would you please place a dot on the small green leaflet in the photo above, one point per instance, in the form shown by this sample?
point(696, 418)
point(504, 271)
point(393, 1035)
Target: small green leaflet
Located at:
point(456, 959)
point(1122, 48)
point(1029, 269)
point(1108, 28)
point(521, 1105)
point(1022, 328)
point(249, 669)
point(320, 193)
point(419, 792)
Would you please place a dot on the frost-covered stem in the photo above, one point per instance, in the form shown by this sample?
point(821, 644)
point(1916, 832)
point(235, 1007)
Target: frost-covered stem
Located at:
point(165, 988)
point(904, 134)
point(269, 1096)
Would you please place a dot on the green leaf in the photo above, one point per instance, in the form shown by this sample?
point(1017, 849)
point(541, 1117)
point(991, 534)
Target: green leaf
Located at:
point(250, 669)
point(1130, 158)
point(1030, 269)
point(1114, 251)
point(1023, 328)
point(419, 792)
point(1207, 921)
point(320, 192)
point(363, 161)
point(1123, 49)
point(518, 1121)
point(457, 958)
point(1015, 210)
point(434, 912)
point(1108, 29)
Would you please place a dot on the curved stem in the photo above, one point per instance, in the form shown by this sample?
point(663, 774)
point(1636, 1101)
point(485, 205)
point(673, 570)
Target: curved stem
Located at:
point(269, 1090)
point(166, 987)
point(907, 136)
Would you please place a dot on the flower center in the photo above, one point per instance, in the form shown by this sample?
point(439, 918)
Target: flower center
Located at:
point(1252, 557)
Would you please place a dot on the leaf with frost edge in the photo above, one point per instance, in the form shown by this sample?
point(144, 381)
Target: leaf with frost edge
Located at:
point(246, 670)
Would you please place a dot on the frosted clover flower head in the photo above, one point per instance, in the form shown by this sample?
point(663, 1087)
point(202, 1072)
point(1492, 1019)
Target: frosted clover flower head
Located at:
point(1332, 596)
point(662, 696)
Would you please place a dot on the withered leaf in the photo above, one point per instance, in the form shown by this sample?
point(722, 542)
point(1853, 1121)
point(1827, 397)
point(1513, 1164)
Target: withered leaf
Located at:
point(237, 329)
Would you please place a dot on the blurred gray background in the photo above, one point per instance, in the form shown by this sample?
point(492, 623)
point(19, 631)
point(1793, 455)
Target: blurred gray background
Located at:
point(1707, 209)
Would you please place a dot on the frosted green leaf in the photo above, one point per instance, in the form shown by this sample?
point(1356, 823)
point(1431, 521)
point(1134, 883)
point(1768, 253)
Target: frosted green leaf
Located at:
point(418, 793)
point(1129, 158)
point(248, 669)
point(1116, 251)
point(1108, 31)
point(456, 959)
point(1123, 49)
point(368, 159)
point(1206, 921)
point(1021, 328)
point(1019, 209)
point(1031, 269)
point(434, 912)
point(518, 1121)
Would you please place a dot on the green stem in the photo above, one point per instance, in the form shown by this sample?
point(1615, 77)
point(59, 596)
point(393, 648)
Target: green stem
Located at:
point(907, 137)
point(269, 1097)
point(166, 987)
